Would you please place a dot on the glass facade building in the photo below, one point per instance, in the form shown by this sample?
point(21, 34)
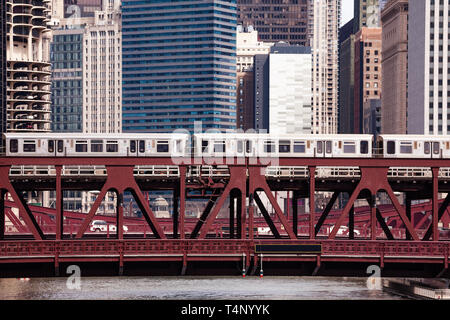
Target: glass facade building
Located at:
point(179, 64)
point(66, 54)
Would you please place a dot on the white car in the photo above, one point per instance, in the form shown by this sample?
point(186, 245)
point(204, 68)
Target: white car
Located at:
point(103, 226)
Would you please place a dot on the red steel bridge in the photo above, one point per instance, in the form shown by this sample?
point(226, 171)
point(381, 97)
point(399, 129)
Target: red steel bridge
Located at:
point(407, 237)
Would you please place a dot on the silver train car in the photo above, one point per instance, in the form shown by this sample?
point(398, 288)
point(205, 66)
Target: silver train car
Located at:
point(224, 145)
point(292, 146)
point(95, 145)
point(414, 146)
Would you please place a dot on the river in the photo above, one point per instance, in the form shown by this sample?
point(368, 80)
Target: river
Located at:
point(190, 287)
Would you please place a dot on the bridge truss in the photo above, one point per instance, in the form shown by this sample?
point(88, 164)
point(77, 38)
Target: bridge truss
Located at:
point(397, 237)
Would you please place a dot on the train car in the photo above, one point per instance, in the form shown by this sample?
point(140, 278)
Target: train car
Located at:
point(98, 145)
point(413, 146)
point(268, 145)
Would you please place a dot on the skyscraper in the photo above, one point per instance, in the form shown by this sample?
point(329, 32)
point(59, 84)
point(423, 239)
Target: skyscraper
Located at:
point(247, 46)
point(395, 67)
point(28, 66)
point(323, 24)
point(179, 64)
point(367, 77)
point(346, 78)
point(276, 20)
point(2, 71)
point(86, 65)
point(428, 67)
point(367, 14)
point(283, 90)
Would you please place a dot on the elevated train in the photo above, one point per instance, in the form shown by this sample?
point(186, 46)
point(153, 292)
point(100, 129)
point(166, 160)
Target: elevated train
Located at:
point(224, 145)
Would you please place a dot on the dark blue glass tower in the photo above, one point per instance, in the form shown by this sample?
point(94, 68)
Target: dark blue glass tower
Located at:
point(179, 64)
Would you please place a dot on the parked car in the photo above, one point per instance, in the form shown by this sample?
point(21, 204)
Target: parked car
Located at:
point(103, 226)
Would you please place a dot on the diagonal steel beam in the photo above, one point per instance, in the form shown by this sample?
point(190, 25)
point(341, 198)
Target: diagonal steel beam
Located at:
point(384, 226)
point(92, 212)
point(441, 212)
point(266, 216)
point(326, 211)
point(212, 200)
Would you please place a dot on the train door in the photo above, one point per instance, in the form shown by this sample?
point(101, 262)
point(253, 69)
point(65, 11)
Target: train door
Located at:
point(137, 148)
point(324, 148)
point(56, 147)
point(432, 149)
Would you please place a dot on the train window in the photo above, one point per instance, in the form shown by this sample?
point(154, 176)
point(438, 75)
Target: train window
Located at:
point(426, 148)
point(390, 147)
point(219, 146)
point(406, 147)
point(178, 146)
point(299, 147)
point(269, 146)
point(436, 148)
point(349, 147)
point(204, 145)
point(328, 146)
point(141, 146)
point(162, 146)
point(132, 146)
point(96, 145)
point(112, 146)
point(240, 146)
point(80, 146)
point(284, 146)
point(364, 147)
point(13, 146)
point(51, 146)
point(29, 146)
point(248, 146)
point(60, 145)
point(319, 147)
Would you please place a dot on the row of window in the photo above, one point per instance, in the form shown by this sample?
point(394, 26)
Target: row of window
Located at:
point(285, 146)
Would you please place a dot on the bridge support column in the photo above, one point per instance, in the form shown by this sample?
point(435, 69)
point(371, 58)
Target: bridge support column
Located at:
point(435, 203)
point(351, 223)
point(176, 208)
point(295, 197)
point(408, 214)
point(232, 214)
point(59, 219)
point(120, 216)
point(312, 201)
point(2, 214)
point(182, 201)
point(373, 217)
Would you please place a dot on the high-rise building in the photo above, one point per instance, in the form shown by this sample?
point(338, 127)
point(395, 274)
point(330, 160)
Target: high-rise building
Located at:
point(276, 20)
point(28, 66)
point(2, 71)
point(247, 46)
point(346, 78)
point(283, 90)
point(367, 75)
point(179, 65)
point(366, 14)
point(428, 67)
point(323, 27)
point(86, 64)
point(394, 19)
point(290, 89)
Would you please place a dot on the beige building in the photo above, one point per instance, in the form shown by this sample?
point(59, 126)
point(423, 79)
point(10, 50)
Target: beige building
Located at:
point(394, 100)
point(247, 46)
point(323, 26)
point(28, 66)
